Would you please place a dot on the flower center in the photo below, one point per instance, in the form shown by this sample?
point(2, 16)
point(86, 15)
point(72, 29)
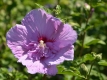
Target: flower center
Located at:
point(38, 51)
point(42, 44)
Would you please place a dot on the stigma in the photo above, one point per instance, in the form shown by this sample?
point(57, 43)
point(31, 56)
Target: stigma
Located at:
point(42, 44)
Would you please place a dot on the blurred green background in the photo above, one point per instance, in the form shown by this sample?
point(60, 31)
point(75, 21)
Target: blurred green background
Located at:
point(87, 17)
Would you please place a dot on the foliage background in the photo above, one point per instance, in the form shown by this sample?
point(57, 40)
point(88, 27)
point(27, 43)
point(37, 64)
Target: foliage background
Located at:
point(87, 17)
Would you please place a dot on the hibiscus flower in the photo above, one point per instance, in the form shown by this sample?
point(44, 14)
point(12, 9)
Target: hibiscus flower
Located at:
point(41, 42)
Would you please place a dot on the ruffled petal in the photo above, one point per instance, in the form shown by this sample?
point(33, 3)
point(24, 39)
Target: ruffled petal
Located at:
point(69, 55)
point(52, 70)
point(39, 67)
point(63, 36)
point(63, 54)
point(40, 21)
point(16, 38)
point(22, 58)
point(36, 67)
point(66, 37)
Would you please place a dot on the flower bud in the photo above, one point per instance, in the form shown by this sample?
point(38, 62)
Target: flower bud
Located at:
point(98, 57)
point(83, 69)
point(87, 6)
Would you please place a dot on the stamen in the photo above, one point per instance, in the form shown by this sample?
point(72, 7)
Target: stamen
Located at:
point(42, 44)
point(38, 51)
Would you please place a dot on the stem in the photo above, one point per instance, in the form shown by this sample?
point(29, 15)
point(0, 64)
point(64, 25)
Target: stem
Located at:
point(58, 1)
point(44, 77)
point(83, 36)
point(73, 78)
point(82, 44)
point(100, 73)
point(88, 78)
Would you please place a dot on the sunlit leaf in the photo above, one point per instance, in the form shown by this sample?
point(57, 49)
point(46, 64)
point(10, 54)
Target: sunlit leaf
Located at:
point(88, 57)
point(102, 63)
point(92, 41)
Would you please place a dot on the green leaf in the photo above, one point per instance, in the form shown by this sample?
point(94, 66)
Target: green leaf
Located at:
point(58, 9)
point(90, 40)
point(72, 71)
point(102, 63)
point(88, 57)
point(39, 6)
point(42, 7)
point(60, 69)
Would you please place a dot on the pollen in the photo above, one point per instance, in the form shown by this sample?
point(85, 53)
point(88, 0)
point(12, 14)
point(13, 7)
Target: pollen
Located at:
point(42, 44)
